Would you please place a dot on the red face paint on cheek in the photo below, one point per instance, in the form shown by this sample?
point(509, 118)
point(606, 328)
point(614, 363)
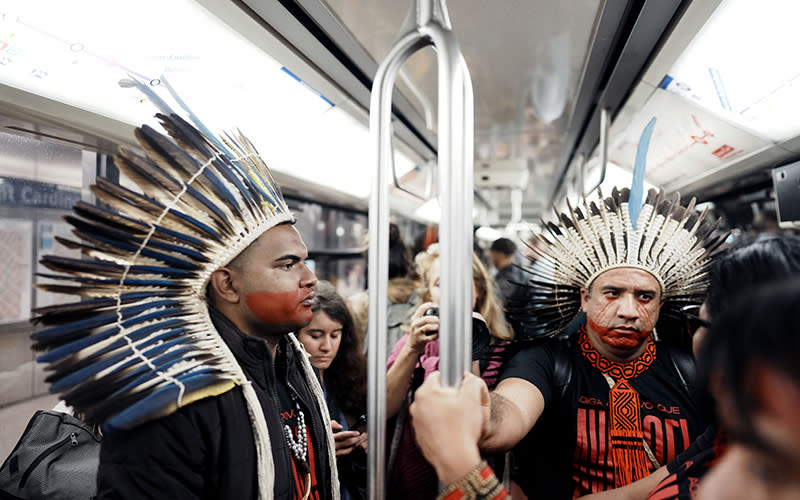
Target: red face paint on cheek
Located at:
point(280, 308)
point(619, 338)
point(645, 318)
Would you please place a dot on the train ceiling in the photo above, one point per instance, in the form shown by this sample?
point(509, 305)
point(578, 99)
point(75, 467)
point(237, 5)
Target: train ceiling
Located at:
point(294, 71)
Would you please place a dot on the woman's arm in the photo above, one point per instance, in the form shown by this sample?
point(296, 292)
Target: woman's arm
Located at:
point(424, 329)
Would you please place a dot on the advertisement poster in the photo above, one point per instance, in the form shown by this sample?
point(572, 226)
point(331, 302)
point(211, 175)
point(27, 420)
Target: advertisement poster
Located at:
point(688, 141)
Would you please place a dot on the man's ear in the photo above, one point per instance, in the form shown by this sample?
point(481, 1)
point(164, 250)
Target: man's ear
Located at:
point(223, 286)
point(585, 295)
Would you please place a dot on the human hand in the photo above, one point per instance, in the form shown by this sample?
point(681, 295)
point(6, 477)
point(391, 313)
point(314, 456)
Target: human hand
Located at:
point(448, 423)
point(364, 444)
point(346, 441)
point(423, 328)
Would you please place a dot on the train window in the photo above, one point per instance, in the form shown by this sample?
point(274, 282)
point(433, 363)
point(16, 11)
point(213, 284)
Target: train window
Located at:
point(39, 182)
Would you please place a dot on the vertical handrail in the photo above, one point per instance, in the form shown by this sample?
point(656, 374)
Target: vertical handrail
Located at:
point(429, 25)
point(581, 174)
point(603, 150)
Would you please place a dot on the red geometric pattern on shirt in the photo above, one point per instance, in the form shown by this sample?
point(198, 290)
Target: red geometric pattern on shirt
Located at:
point(627, 371)
point(625, 401)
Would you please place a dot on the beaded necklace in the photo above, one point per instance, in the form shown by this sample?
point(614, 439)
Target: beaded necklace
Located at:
point(299, 446)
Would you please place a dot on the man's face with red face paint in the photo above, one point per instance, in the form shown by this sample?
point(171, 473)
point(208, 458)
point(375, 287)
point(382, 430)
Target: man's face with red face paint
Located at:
point(622, 307)
point(274, 284)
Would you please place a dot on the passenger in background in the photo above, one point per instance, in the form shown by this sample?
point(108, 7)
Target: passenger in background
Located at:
point(400, 291)
point(416, 355)
point(334, 350)
point(509, 276)
point(765, 224)
point(751, 359)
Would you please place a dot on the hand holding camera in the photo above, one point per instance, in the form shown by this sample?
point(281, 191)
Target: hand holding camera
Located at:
point(424, 326)
point(429, 329)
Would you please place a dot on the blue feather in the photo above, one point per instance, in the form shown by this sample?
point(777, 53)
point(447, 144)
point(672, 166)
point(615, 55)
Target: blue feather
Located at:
point(70, 365)
point(199, 124)
point(162, 363)
point(137, 376)
point(637, 185)
point(73, 347)
point(157, 101)
point(159, 399)
point(79, 376)
point(168, 149)
point(104, 319)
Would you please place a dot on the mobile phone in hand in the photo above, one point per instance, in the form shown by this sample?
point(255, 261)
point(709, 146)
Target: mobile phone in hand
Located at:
point(359, 423)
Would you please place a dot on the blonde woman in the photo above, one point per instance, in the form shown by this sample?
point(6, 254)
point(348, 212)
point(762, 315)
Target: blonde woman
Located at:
point(416, 355)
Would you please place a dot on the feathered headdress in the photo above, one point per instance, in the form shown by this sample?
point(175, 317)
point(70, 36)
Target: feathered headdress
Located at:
point(672, 242)
point(140, 343)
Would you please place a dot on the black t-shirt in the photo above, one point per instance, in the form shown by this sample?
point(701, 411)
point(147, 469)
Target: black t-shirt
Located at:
point(686, 470)
point(289, 416)
point(567, 453)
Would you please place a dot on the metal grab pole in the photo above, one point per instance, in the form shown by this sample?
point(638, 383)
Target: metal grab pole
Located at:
point(603, 150)
point(429, 26)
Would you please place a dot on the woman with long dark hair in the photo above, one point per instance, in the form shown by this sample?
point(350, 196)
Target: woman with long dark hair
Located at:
point(335, 351)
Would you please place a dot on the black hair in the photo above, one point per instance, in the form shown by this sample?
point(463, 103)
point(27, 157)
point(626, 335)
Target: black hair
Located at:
point(743, 268)
point(346, 377)
point(399, 260)
point(504, 246)
point(759, 329)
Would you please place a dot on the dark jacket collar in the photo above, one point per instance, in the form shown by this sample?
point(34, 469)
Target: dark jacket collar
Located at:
point(252, 353)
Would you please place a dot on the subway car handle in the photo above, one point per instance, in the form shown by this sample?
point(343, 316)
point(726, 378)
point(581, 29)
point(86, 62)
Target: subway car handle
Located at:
point(427, 25)
point(604, 125)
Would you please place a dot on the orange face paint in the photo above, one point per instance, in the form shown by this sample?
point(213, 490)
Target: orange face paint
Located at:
point(281, 308)
point(617, 336)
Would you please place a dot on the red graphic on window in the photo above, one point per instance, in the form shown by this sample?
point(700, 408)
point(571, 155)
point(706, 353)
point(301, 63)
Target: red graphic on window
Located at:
point(701, 139)
point(724, 151)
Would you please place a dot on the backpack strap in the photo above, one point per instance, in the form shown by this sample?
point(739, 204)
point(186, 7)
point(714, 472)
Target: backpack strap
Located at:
point(684, 364)
point(562, 366)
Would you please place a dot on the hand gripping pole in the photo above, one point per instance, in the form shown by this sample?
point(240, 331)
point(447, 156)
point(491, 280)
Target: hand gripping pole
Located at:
point(427, 24)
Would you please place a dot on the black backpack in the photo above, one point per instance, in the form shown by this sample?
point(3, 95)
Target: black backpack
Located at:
point(56, 458)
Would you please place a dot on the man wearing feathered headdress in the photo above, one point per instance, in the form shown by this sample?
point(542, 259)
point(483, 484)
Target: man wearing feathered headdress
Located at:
point(610, 404)
point(181, 347)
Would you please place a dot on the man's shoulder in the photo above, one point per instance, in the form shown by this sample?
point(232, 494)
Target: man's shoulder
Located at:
point(203, 414)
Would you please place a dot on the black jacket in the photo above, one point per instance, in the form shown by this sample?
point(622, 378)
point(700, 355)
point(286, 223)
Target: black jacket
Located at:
point(205, 450)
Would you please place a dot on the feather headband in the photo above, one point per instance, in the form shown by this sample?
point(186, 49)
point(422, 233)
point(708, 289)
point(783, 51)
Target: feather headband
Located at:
point(140, 343)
